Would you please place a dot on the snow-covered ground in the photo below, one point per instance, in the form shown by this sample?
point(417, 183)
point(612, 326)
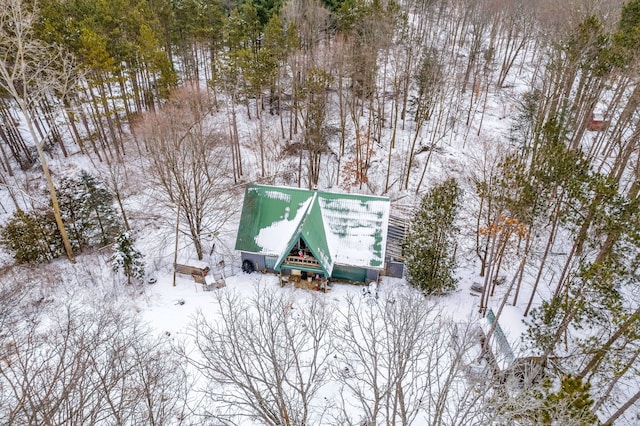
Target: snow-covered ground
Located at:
point(171, 310)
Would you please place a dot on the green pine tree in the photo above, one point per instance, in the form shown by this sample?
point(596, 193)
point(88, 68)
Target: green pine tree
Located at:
point(430, 244)
point(127, 258)
point(99, 211)
point(87, 208)
point(32, 237)
point(571, 401)
point(562, 400)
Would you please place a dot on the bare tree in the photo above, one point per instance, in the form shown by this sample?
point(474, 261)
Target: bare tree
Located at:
point(265, 359)
point(402, 362)
point(87, 365)
point(32, 72)
point(188, 164)
point(115, 178)
point(314, 115)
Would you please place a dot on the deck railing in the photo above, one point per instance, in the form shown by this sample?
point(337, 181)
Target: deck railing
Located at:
point(297, 260)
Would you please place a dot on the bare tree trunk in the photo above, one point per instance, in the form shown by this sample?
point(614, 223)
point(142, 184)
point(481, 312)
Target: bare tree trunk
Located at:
point(606, 346)
point(623, 408)
point(620, 373)
point(550, 241)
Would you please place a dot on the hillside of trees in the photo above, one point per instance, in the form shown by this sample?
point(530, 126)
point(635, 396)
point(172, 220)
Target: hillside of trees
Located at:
point(119, 117)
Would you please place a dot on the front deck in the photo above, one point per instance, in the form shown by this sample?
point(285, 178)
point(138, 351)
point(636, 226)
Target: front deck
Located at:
point(306, 260)
point(309, 283)
point(305, 272)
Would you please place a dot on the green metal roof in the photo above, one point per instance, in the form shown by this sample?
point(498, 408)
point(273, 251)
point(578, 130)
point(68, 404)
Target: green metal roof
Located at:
point(347, 229)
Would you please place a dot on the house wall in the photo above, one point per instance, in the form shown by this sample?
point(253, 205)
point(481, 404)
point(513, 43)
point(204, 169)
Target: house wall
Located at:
point(349, 273)
point(372, 275)
point(394, 269)
point(353, 273)
point(258, 260)
point(340, 272)
point(270, 263)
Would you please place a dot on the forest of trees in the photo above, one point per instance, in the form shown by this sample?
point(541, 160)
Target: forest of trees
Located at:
point(197, 97)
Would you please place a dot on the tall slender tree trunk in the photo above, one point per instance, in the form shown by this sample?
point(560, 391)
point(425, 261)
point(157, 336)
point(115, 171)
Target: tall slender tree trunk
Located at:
point(623, 408)
point(547, 249)
point(619, 374)
point(52, 191)
point(593, 363)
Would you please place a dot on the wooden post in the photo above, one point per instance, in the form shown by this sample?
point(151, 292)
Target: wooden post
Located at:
point(175, 252)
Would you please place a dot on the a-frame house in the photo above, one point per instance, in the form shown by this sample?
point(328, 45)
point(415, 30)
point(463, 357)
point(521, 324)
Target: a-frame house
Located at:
point(294, 231)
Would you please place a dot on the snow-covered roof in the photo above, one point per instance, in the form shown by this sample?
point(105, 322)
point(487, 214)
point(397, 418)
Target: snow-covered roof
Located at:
point(345, 229)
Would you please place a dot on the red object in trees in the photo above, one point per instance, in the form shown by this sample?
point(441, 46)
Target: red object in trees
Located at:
point(596, 122)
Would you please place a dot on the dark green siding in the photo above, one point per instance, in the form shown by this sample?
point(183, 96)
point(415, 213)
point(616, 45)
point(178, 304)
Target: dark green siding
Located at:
point(349, 273)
